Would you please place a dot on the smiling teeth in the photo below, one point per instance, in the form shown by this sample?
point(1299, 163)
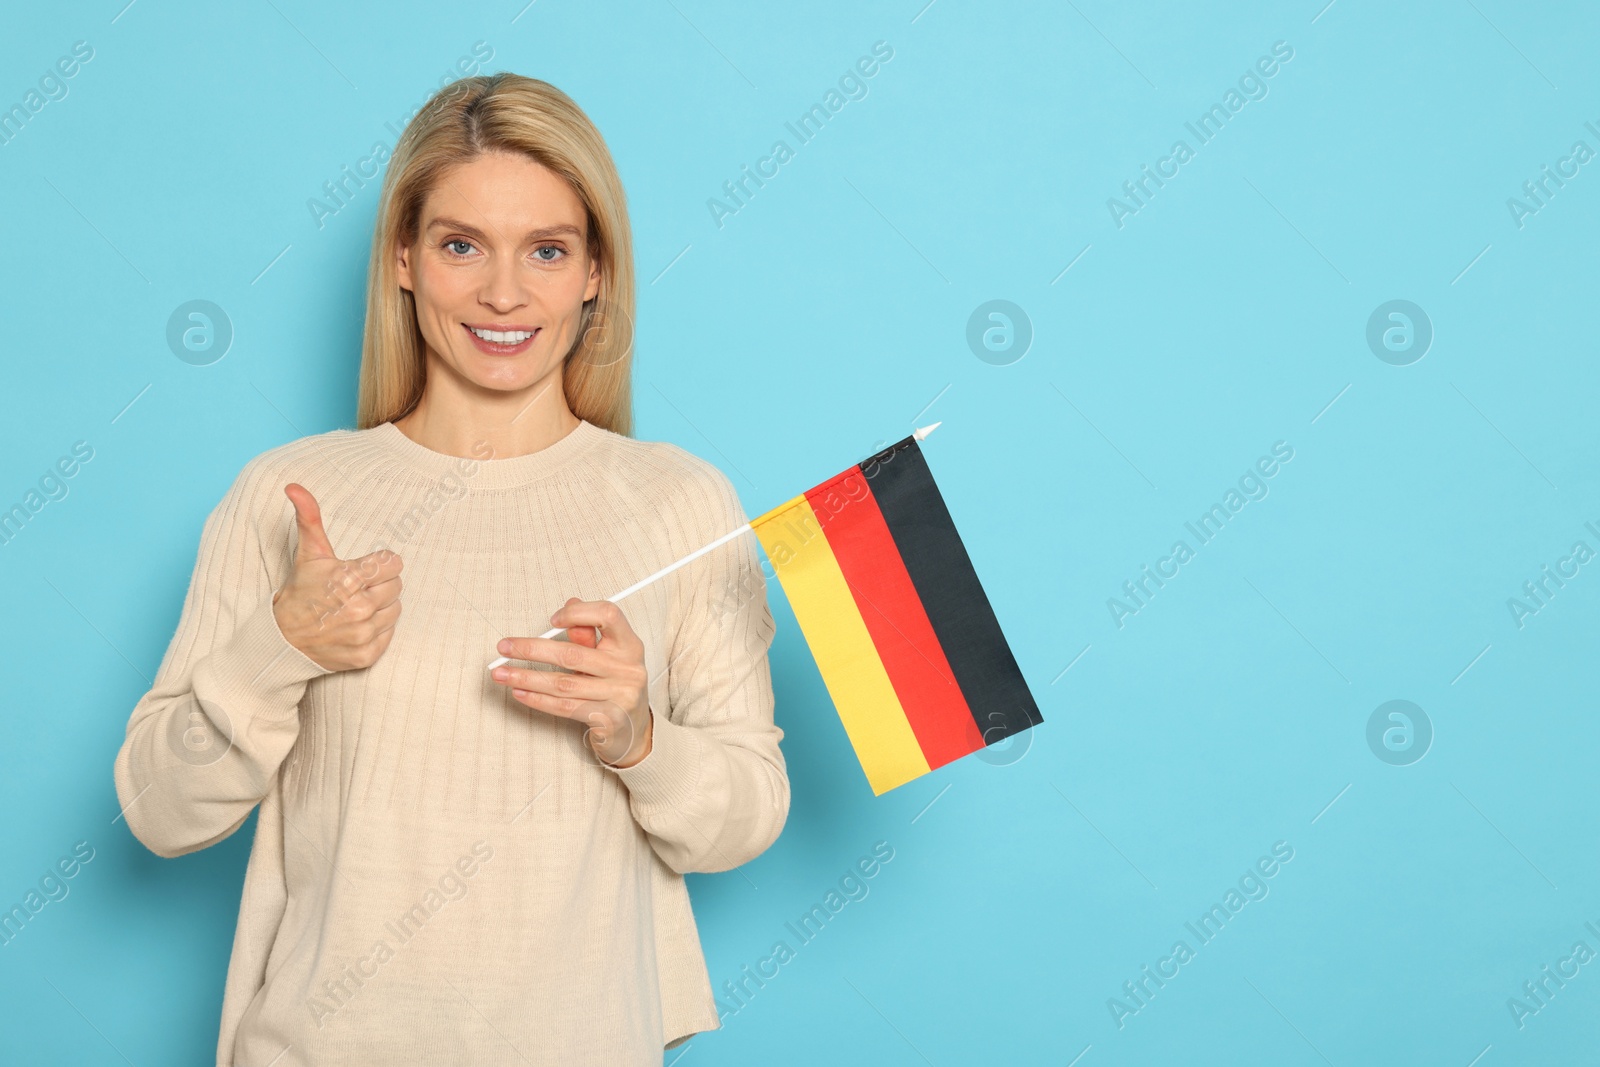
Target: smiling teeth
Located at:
point(510, 337)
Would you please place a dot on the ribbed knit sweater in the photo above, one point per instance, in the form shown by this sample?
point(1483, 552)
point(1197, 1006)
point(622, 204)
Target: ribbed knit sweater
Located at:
point(441, 875)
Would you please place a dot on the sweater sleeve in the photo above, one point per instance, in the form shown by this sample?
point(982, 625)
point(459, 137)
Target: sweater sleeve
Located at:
point(202, 746)
point(713, 792)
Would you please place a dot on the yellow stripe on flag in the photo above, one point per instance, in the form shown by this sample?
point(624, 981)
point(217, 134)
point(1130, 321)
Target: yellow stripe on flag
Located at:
point(851, 668)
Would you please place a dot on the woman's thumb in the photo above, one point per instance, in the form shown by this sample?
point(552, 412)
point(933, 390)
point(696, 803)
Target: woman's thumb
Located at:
point(314, 542)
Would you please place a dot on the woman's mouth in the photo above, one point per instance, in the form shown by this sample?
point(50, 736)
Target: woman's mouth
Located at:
point(507, 342)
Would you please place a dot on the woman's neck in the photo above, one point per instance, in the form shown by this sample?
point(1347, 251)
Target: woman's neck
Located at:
point(504, 426)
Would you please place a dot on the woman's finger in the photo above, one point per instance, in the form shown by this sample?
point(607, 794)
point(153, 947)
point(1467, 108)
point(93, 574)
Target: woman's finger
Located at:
point(591, 713)
point(587, 636)
point(385, 592)
point(569, 654)
point(385, 617)
point(581, 687)
point(365, 631)
point(550, 704)
point(602, 613)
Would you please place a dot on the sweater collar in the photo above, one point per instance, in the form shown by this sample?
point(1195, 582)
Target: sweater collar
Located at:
point(476, 473)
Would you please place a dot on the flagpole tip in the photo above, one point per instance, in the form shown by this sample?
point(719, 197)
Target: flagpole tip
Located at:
point(922, 433)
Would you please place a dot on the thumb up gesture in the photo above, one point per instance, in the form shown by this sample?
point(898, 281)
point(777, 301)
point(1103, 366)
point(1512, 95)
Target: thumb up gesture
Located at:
point(340, 613)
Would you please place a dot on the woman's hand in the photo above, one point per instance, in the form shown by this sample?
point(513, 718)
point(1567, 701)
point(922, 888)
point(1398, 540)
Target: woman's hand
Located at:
point(610, 690)
point(340, 613)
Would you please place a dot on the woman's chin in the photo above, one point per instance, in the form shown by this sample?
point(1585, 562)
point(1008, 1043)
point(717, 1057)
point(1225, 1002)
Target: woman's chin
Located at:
point(505, 379)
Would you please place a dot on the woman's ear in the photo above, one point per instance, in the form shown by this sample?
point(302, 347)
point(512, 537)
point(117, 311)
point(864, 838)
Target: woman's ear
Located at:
point(402, 259)
point(593, 287)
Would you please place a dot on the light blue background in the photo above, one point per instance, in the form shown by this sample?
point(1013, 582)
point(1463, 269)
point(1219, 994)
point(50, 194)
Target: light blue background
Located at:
point(829, 316)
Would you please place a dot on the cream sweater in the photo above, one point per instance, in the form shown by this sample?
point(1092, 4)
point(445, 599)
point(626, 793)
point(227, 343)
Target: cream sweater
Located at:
point(441, 875)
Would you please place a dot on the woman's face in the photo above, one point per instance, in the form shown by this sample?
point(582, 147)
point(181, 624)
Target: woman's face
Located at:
point(500, 271)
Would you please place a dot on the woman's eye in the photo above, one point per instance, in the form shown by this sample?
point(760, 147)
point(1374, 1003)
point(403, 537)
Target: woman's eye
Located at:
point(539, 252)
point(466, 246)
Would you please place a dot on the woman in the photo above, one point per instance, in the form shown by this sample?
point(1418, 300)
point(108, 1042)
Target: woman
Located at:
point(449, 866)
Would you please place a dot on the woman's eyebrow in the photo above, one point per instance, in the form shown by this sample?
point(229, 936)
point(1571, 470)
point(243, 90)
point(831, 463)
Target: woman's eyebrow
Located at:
point(532, 235)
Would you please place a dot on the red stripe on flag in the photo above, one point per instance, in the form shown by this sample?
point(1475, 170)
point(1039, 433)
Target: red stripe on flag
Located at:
point(884, 594)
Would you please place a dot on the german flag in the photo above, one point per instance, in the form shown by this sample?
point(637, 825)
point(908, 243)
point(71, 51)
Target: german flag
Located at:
point(891, 608)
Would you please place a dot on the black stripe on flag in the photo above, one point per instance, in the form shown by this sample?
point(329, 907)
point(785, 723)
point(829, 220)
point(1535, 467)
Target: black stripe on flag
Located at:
point(957, 607)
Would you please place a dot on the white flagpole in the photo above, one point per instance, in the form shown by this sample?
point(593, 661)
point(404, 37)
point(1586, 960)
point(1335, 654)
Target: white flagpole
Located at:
point(919, 434)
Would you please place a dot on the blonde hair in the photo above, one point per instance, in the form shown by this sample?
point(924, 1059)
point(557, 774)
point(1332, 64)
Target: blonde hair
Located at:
point(509, 113)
